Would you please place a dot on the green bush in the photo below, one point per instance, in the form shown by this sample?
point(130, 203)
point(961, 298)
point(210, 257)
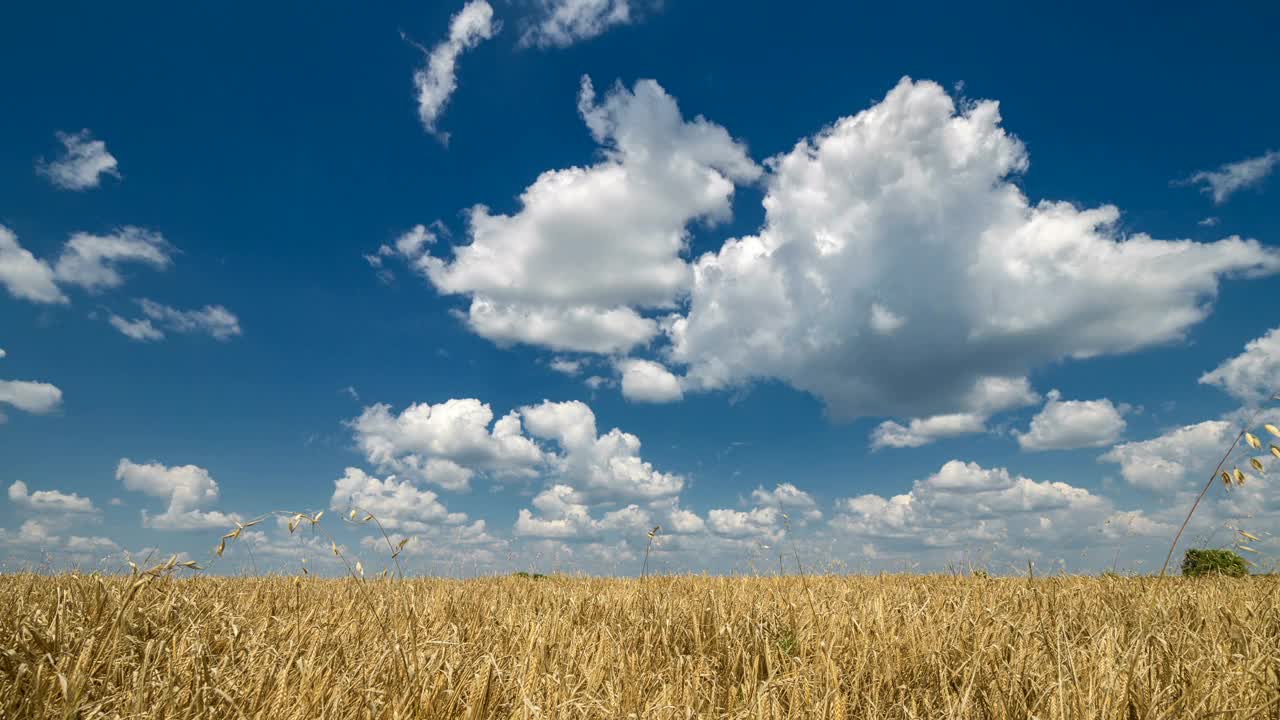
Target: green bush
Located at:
point(1213, 562)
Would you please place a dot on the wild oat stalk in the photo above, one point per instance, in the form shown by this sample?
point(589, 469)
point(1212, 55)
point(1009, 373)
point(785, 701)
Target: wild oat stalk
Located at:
point(645, 565)
point(804, 582)
point(395, 549)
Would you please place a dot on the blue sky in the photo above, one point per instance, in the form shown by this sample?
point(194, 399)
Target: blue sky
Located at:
point(938, 284)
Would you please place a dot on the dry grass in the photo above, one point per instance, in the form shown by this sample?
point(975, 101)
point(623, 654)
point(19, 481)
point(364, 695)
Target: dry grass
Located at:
point(880, 647)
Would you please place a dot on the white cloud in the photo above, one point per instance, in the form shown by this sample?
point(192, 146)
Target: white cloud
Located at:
point(648, 382)
point(398, 505)
point(49, 501)
point(1253, 376)
point(987, 396)
point(55, 512)
point(83, 163)
point(437, 81)
point(761, 522)
point(213, 320)
point(591, 246)
point(584, 328)
point(563, 513)
point(560, 23)
point(1005, 285)
point(789, 499)
point(1069, 424)
point(1229, 178)
point(31, 533)
point(965, 503)
point(32, 397)
point(446, 444)
point(1177, 460)
point(3, 354)
point(993, 394)
point(188, 489)
point(922, 431)
point(42, 534)
point(1135, 523)
point(591, 475)
point(599, 467)
point(91, 261)
point(141, 329)
point(1209, 222)
point(24, 276)
point(96, 544)
point(683, 522)
point(567, 366)
point(884, 321)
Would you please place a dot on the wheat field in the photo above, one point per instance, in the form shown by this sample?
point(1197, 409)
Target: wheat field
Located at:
point(894, 646)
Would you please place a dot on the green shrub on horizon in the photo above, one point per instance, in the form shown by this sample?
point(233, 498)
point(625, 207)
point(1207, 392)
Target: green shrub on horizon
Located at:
point(1197, 563)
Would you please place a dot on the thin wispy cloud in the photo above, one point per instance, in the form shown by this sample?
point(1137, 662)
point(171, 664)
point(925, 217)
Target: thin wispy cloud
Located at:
point(82, 165)
point(215, 321)
point(1233, 177)
point(560, 23)
point(437, 81)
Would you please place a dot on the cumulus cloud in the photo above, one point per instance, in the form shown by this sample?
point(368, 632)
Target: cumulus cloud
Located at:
point(1135, 523)
point(436, 82)
point(596, 482)
point(31, 533)
point(40, 533)
point(83, 162)
point(1229, 178)
point(592, 246)
point(789, 499)
point(49, 501)
point(564, 513)
point(560, 23)
point(922, 431)
point(189, 490)
point(446, 444)
point(90, 545)
point(91, 261)
point(23, 275)
point(88, 261)
point(213, 320)
point(398, 505)
point(1253, 376)
point(55, 512)
point(1177, 460)
point(33, 397)
point(763, 523)
point(987, 396)
point(1008, 284)
point(1067, 424)
point(600, 467)
point(648, 382)
point(967, 503)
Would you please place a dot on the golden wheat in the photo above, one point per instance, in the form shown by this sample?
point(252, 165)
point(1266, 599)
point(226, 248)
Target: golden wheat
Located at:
point(155, 646)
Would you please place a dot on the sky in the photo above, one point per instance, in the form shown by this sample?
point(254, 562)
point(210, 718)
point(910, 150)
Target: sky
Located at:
point(863, 289)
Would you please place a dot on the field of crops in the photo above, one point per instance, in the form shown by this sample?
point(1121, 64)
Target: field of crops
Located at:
point(155, 646)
